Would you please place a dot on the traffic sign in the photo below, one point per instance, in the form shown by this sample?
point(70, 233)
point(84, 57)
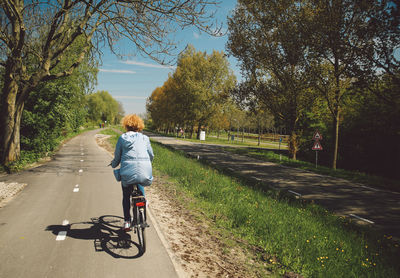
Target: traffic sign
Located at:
point(317, 146)
point(317, 135)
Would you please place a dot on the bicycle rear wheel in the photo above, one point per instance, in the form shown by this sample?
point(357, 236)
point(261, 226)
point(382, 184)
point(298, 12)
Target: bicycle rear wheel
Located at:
point(140, 229)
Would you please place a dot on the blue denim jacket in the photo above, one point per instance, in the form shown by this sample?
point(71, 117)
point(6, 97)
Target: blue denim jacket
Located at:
point(135, 154)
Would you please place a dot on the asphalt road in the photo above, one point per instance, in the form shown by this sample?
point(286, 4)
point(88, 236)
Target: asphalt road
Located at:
point(66, 222)
point(379, 209)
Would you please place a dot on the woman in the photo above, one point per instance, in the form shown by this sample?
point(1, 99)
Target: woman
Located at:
point(135, 154)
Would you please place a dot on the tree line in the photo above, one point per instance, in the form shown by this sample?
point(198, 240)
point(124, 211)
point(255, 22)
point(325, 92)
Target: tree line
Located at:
point(326, 65)
point(45, 41)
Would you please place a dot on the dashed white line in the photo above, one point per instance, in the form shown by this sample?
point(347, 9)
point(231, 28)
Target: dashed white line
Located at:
point(76, 189)
point(363, 219)
point(76, 185)
point(65, 222)
point(370, 188)
point(61, 235)
point(80, 170)
point(295, 193)
point(81, 160)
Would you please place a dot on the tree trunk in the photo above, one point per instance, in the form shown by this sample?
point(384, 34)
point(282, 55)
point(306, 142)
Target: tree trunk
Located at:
point(198, 131)
point(336, 123)
point(293, 145)
point(10, 119)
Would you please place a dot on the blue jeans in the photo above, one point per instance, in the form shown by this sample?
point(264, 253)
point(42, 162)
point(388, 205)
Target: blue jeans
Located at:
point(126, 199)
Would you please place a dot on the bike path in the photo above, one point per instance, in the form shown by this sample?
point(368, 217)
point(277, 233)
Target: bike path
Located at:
point(65, 222)
point(379, 209)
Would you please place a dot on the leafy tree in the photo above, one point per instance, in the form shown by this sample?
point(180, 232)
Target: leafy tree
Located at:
point(203, 81)
point(36, 35)
point(194, 93)
point(103, 107)
point(265, 36)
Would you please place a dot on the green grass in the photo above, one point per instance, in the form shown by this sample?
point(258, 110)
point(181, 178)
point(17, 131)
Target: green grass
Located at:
point(305, 238)
point(290, 235)
point(237, 142)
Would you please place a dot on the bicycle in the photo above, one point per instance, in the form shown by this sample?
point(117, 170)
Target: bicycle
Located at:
point(139, 224)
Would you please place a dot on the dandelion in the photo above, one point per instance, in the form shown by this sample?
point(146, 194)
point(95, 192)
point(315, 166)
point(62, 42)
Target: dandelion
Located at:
point(308, 241)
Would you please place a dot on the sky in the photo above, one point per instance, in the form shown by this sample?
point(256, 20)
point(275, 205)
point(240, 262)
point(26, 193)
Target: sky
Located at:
point(131, 81)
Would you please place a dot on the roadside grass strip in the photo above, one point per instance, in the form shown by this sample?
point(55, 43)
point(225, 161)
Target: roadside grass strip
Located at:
point(293, 235)
point(289, 234)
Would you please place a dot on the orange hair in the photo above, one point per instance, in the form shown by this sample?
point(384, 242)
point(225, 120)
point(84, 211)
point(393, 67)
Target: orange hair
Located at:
point(132, 122)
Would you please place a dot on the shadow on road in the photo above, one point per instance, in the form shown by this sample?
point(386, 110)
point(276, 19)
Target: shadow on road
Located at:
point(107, 235)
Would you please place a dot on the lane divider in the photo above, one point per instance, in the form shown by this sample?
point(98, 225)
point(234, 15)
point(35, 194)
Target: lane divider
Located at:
point(62, 235)
point(362, 219)
point(295, 193)
point(76, 189)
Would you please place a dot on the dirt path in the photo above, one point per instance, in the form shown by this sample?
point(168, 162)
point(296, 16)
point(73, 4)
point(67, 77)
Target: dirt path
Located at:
point(196, 247)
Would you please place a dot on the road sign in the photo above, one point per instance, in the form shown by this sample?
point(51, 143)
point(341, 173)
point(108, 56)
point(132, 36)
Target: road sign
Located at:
point(317, 135)
point(317, 146)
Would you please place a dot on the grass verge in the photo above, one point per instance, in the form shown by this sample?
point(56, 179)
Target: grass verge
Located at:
point(288, 234)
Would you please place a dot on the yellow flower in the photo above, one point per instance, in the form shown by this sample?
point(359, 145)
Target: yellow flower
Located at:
point(308, 241)
point(366, 246)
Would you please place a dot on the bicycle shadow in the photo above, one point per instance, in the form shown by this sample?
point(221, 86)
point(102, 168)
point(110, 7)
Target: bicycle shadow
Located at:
point(107, 235)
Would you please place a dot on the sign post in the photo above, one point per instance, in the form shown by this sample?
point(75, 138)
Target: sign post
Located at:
point(280, 155)
point(317, 146)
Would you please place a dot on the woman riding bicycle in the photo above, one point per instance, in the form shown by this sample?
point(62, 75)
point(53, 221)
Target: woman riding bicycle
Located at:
point(134, 152)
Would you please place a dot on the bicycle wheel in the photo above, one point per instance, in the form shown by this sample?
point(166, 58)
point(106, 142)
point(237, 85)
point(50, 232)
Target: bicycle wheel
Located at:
point(140, 229)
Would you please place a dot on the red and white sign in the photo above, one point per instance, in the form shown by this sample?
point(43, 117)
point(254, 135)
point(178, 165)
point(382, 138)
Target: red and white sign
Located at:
point(317, 136)
point(317, 146)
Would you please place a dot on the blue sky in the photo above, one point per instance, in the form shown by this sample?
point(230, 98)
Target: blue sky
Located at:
point(131, 81)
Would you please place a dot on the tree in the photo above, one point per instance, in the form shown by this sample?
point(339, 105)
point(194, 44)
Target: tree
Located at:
point(36, 35)
point(194, 92)
point(103, 107)
point(334, 37)
point(265, 36)
point(203, 82)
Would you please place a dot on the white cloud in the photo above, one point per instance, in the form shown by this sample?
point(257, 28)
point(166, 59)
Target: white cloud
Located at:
point(118, 71)
point(130, 97)
point(148, 65)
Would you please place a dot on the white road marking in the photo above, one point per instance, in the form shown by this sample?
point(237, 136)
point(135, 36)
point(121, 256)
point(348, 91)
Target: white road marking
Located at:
point(363, 219)
point(80, 170)
point(370, 188)
point(295, 193)
point(77, 185)
point(82, 154)
point(81, 160)
point(61, 235)
point(65, 222)
point(76, 189)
